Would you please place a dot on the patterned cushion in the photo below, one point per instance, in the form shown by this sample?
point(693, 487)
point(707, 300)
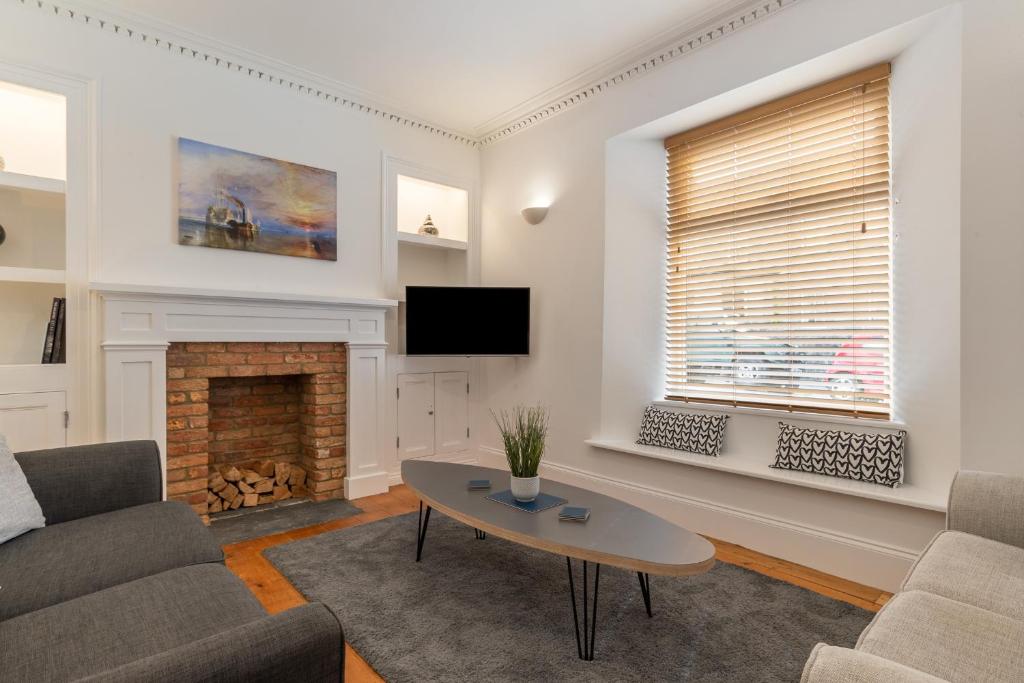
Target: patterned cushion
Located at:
point(876, 458)
point(691, 432)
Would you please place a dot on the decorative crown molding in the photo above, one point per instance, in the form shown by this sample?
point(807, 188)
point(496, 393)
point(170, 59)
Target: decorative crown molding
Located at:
point(668, 51)
point(179, 43)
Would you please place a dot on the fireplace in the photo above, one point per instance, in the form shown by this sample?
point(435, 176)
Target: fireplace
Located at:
point(240, 408)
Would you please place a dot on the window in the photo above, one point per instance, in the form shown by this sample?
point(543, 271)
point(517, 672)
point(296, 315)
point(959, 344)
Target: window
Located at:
point(779, 253)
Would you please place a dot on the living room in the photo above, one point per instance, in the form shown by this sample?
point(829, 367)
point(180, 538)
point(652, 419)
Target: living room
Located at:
point(450, 341)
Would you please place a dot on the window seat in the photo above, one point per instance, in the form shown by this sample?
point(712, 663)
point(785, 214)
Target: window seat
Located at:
point(906, 495)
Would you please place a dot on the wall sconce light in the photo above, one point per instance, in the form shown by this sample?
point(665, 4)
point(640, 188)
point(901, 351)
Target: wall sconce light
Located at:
point(534, 214)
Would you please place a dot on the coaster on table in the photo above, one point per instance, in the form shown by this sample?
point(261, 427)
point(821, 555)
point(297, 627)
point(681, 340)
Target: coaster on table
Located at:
point(479, 484)
point(574, 514)
point(543, 501)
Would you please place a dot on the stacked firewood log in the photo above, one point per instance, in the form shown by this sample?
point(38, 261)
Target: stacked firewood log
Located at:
point(263, 482)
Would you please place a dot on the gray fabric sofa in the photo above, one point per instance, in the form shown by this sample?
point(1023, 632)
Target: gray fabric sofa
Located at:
point(120, 586)
point(959, 615)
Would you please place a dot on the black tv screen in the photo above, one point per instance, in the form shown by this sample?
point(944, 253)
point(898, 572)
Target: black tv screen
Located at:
point(467, 321)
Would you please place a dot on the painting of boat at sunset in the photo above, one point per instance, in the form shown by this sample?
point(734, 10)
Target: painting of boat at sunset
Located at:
point(235, 200)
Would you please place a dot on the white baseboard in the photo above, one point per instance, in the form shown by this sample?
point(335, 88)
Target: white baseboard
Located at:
point(459, 458)
point(852, 557)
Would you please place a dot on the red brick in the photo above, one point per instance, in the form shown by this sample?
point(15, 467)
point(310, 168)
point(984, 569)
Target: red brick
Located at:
point(206, 371)
point(186, 461)
point(284, 369)
point(200, 347)
point(175, 372)
point(264, 358)
point(186, 487)
point(225, 358)
point(246, 347)
point(188, 385)
point(317, 346)
point(186, 409)
point(246, 370)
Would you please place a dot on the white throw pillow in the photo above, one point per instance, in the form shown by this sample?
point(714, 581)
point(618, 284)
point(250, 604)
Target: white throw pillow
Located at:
point(19, 509)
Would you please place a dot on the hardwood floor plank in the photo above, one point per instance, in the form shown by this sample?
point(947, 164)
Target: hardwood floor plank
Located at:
point(277, 594)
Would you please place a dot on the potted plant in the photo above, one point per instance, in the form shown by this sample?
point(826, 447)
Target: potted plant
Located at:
point(523, 430)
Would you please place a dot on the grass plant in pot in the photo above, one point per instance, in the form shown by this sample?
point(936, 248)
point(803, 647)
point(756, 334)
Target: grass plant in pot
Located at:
point(523, 431)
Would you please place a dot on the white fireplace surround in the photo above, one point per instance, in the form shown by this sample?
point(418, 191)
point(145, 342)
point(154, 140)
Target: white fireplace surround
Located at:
point(138, 323)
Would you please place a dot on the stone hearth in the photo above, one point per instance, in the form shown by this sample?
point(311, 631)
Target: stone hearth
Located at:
point(240, 403)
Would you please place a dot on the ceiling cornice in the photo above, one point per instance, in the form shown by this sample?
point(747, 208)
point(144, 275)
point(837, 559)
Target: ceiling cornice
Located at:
point(639, 61)
point(180, 43)
point(702, 32)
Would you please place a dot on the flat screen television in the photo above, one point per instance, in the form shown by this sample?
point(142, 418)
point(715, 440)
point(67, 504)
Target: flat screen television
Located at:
point(467, 321)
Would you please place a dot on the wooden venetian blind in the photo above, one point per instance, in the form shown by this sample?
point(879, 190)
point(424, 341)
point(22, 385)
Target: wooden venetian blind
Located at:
point(779, 253)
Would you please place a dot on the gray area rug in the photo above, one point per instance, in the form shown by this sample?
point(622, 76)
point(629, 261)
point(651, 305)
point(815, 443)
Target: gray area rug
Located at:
point(495, 611)
point(243, 525)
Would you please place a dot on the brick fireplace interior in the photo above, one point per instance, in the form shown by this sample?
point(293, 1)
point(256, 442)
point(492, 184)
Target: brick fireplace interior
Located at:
point(272, 409)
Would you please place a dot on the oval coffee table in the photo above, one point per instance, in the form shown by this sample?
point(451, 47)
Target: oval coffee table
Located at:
point(617, 533)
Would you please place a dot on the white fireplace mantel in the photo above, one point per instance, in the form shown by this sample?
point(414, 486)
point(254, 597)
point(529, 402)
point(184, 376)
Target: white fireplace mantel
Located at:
point(138, 323)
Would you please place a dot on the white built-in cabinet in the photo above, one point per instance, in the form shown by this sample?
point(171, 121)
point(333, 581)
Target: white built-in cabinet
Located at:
point(32, 421)
point(433, 413)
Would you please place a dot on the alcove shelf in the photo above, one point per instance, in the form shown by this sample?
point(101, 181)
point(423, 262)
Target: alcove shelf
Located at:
point(432, 242)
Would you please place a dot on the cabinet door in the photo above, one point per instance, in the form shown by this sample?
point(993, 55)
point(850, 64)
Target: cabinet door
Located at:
point(451, 400)
point(33, 421)
point(415, 415)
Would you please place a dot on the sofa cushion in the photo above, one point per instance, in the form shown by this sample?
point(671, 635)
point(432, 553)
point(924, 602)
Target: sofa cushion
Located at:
point(64, 561)
point(947, 639)
point(109, 628)
point(973, 570)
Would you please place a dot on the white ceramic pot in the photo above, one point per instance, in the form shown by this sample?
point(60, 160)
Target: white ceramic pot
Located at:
point(525, 489)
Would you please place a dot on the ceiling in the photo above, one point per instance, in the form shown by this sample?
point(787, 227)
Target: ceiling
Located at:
point(463, 64)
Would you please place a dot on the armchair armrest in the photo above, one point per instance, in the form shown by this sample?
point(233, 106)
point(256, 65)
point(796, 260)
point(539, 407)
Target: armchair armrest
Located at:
point(830, 664)
point(81, 481)
point(989, 505)
point(300, 645)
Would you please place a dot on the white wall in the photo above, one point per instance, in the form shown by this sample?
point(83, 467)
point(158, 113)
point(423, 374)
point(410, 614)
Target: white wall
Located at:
point(597, 358)
point(993, 235)
point(147, 97)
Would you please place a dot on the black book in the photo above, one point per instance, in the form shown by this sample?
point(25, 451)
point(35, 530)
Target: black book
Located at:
point(59, 336)
point(51, 331)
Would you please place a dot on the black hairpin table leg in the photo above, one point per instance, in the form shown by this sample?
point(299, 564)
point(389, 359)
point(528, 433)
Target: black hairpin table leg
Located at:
point(480, 535)
point(421, 530)
point(584, 646)
point(645, 588)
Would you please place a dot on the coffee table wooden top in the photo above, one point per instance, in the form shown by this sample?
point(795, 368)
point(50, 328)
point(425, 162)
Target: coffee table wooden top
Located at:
point(617, 533)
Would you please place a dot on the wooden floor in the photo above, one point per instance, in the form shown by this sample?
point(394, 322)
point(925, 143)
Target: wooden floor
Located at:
point(277, 594)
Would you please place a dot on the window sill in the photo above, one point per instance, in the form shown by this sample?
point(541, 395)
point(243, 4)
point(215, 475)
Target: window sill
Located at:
point(908, 496)
point(784, 414)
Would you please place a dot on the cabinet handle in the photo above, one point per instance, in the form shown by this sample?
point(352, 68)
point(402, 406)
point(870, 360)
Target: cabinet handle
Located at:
point(430, 412)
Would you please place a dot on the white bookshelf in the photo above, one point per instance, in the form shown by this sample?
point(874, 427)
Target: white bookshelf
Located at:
point(30, 183)
point(53, 276)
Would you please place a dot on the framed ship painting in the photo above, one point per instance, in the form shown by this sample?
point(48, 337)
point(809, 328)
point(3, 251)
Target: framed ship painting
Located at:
point(235, 200)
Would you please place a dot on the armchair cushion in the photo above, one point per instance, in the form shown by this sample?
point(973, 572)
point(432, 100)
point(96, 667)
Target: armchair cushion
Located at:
point(947, 639)
point(989, 505)
point(57, 563)
point(831, 664)
point(972, 570)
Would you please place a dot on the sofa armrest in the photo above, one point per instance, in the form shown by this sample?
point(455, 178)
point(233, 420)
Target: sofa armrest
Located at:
point(830, 664)
point(81, 481)
point(300, 645)
point(987, 504)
